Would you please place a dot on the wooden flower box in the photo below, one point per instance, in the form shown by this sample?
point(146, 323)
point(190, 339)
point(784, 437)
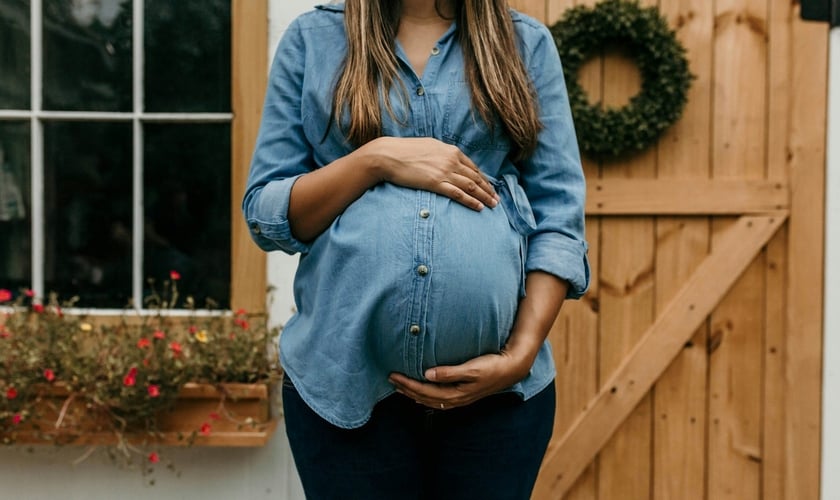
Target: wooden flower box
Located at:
point(230, 415)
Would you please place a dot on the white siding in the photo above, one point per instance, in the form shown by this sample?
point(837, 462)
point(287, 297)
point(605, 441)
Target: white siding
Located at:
point(205, 473)
point(831, 356)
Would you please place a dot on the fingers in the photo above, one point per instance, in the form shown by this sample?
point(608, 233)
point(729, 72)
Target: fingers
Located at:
point(432, 395)
point(469, 188)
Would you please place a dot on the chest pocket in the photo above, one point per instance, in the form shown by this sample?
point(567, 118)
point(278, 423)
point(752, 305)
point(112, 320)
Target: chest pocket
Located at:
point(462, 125)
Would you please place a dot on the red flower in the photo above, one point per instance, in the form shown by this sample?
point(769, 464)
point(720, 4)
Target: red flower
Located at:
point(205, 429)
point(143, 343)
point(193, 329)
point(242, 323)
point(241, 312)
point(232, 336)
point(49, 375)
point(5, 295)
point(176, 349)
point(16, 418)
point(174, 275)
point(130, 378)
point(154, 457)
point(4, 334)
point(59, 312)
point(214, 416)
point(11, 393)
point(154, 391)
point(146, 362)
point(159, 335)
point(38, 308)
point(29, 293)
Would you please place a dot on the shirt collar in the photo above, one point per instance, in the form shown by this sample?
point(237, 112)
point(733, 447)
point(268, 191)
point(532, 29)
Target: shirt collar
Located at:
point(335, 7)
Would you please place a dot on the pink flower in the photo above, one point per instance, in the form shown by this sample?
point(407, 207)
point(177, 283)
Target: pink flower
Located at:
point(159, 335)
point(174, 275)
point(38, 308)
point(11, 393)
point(5, 295)
point(154, 391)
point(16, 418)
point(29, 293)
point(130, 378)
point(154, 457)
point(176, 348)
point(143, 343)
point(49, 375)
point(205, 429)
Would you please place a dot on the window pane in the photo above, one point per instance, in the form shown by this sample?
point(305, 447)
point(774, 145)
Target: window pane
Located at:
point(187, 208)
point(14, 54)
point(15, 207)
point(187, 55)
point(87, 55)
point(88, 206)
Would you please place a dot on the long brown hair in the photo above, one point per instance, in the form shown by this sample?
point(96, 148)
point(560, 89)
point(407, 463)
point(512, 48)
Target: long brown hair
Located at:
point(499, 83)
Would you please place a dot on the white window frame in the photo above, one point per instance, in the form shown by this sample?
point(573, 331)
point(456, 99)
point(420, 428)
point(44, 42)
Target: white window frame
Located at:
point(37, 116)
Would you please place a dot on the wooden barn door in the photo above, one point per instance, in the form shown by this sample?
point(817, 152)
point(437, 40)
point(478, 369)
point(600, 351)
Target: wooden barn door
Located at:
point(691, 370)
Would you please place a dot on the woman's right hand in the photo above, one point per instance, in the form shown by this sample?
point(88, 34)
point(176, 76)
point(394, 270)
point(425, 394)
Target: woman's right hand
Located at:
point(431, 165)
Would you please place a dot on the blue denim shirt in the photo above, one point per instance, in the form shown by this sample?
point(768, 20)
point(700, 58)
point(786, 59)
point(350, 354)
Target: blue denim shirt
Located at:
point(404, 280)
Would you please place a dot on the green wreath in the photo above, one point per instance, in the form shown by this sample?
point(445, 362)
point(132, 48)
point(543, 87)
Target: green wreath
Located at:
point(609, 133)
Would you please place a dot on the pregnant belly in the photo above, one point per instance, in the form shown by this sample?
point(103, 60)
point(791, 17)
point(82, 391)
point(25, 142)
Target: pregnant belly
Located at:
point(445, 280)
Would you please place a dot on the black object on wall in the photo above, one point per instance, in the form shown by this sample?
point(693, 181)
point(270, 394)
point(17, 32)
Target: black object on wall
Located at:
point(821, 10)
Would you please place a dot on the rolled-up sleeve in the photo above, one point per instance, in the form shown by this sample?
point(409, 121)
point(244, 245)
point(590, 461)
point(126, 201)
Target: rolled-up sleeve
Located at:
point(553, 177)
point(282, 153)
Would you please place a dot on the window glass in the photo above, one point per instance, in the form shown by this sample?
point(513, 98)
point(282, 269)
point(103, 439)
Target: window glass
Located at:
point(15, 206)
point(88, 206)
point(14, 54)
point(87, 55)
point(187, 208)
point(187, 55)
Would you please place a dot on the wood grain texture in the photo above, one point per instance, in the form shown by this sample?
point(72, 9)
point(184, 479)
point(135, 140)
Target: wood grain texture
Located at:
point(249, 55)
point(685, 196)
point(627, 300)
point(806, 167)
point(639, 370)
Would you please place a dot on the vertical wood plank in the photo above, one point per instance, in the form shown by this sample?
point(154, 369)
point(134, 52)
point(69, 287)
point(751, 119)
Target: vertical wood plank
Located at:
point(680, 396)
point(778, 129)
point(249, 56)
point(773, 408)
point(739, 151)
point(627, 303)
point(807, 140)
point(575, 337)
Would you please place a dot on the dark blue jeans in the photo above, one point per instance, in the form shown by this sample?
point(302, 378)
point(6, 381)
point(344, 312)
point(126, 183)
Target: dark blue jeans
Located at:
point(491, 449)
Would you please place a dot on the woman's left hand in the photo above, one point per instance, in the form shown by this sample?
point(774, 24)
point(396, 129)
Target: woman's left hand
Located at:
point(453, 386)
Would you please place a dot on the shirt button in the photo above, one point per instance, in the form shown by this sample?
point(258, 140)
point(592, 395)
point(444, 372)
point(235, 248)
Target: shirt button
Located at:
point(435, 51)
point(422, 270)
point(424, 214)
point(414, 329)
point(421, 91)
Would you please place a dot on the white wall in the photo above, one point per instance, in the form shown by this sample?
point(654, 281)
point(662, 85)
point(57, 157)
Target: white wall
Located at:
point(831, 356)
point(205, 473)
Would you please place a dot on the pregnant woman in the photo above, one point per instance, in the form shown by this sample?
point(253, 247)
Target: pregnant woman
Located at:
point(420, 156)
